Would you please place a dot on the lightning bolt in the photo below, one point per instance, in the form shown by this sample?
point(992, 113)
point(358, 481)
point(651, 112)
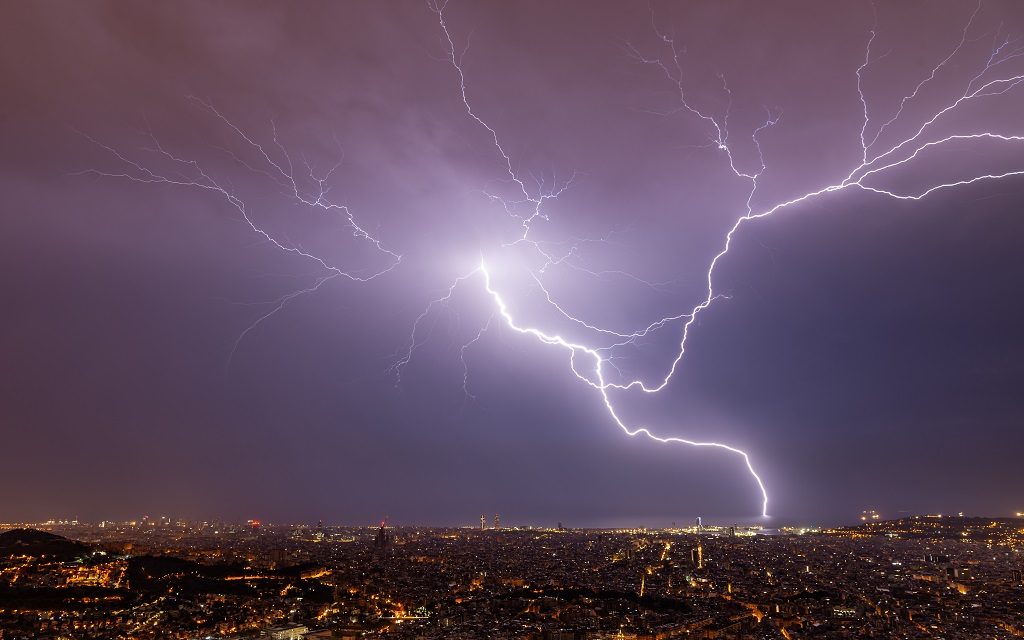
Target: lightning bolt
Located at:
point(592, 358)
point(590, 362)
point(309, 190)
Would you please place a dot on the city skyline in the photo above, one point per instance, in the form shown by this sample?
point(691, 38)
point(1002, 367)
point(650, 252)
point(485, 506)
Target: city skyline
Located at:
point(418, 262)
point(917, 578)
point(750, 526)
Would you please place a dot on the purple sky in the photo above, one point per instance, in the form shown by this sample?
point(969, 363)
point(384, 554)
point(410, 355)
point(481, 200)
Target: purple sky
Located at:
point(865, 351)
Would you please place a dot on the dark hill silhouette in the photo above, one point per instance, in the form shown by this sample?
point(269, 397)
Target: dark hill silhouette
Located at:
point(30, 542)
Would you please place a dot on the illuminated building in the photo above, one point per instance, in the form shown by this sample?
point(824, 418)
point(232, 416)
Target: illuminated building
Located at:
point(286, 632)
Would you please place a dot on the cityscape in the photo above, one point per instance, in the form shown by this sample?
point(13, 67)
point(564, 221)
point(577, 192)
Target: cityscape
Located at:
point(713, 307)
point(928, 576)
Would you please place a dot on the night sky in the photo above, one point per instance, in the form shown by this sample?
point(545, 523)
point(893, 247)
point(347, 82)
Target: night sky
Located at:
point(865, 351)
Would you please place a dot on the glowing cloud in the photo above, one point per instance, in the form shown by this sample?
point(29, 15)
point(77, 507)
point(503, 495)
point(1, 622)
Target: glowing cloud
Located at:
point(592, 347)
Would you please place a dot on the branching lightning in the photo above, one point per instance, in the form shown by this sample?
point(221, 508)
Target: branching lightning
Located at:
point(592, 359)
point(590, 362)
point(310, 191)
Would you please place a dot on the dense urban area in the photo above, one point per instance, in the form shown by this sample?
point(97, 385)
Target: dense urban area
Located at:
point(918, 577)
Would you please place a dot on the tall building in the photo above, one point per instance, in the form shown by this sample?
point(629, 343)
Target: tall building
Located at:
point(497, 521)
point(279, 558)
point(697, 555)
point(380, 543)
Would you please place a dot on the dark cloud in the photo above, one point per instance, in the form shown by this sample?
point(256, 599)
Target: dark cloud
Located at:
point(867, 355)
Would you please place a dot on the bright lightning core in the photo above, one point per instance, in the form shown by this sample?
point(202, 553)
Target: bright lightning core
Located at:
point(933, 117)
